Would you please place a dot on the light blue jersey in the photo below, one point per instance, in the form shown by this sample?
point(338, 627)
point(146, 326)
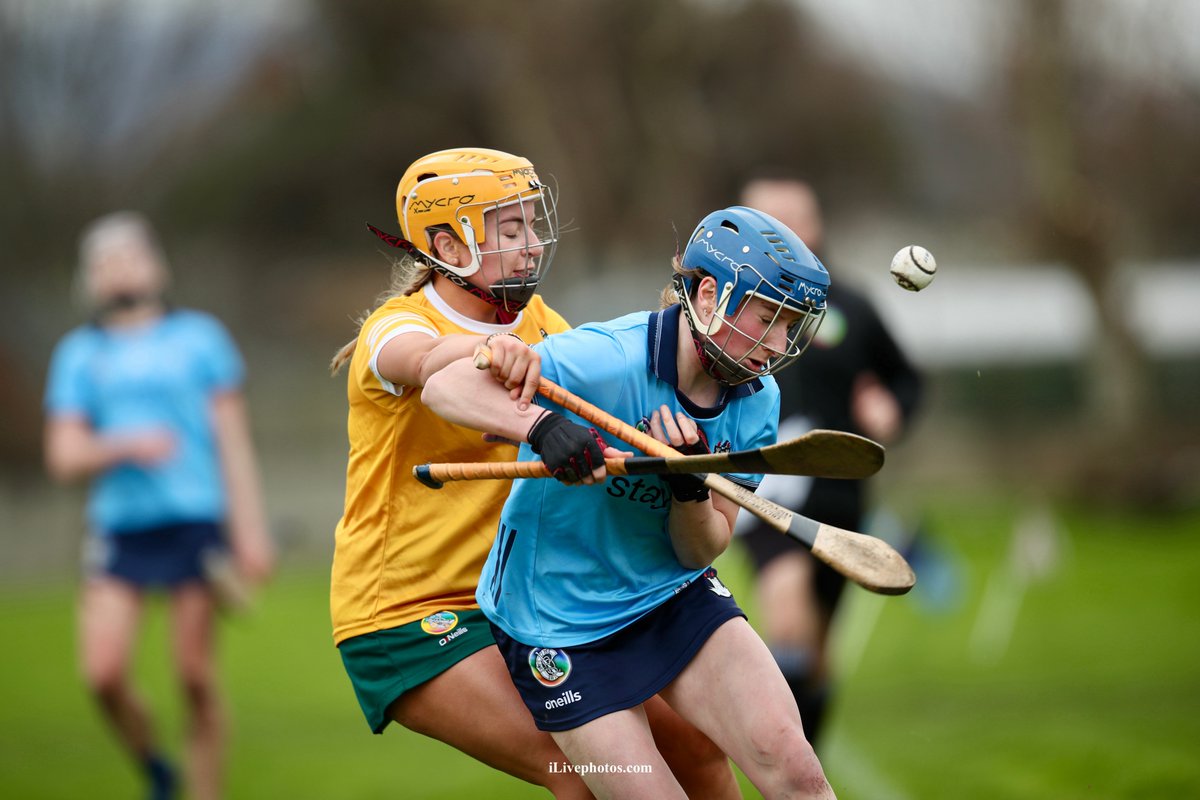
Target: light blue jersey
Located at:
point(162, 375)
point(573, 564)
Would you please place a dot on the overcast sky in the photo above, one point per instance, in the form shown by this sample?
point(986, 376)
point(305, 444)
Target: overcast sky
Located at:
point(954, 45)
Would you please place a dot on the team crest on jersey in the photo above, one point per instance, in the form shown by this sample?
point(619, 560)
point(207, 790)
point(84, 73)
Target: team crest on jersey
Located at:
point(439, 623)
point(550, 667)
point(723, 446)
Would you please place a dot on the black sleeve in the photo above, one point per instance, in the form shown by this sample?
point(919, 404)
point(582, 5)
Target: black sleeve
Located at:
point(890, 363)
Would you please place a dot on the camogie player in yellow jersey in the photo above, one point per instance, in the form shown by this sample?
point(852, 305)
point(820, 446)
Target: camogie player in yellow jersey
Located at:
point(478, 229)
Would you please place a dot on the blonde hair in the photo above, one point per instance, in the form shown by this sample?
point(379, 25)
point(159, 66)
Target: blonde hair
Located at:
point(408, 276)
point(669, 297)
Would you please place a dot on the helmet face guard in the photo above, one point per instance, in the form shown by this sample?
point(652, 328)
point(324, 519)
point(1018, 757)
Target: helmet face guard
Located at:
point(751, 255)
point(456, 190)
point(713, 340)
point(539, 227)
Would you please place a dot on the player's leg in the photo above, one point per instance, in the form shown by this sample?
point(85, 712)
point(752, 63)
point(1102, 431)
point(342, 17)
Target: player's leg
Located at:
point(473, 707)
point(733, 691)
point(605, 748)
point(702, 768)
point(790, 621)
point(109, 614)
point(193, 632)
point(824, 592)
point(791, 618)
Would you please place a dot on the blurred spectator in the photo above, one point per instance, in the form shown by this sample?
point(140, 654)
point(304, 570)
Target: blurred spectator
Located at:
point(854, 377)
point(145, 400)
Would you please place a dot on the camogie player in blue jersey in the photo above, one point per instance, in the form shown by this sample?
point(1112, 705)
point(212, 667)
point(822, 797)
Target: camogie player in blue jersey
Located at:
point(146, 401)
point(602, 593)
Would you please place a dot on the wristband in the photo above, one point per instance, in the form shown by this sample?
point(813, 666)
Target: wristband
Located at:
point(687, 488)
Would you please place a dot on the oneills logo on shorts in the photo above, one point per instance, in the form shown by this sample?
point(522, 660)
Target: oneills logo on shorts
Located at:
point(550, 667)
point(452, 635)
point(439, 623)
point(565, 699)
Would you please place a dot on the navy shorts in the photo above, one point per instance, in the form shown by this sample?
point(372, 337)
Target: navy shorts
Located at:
point(566, 687)
point(156, 558)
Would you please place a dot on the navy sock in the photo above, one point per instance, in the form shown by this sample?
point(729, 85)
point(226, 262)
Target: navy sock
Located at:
point(161, 776)
point(796, 664)
point(813, 701)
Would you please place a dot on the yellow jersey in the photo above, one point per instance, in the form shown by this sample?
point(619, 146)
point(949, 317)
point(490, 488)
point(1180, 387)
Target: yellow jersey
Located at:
point(404, 551)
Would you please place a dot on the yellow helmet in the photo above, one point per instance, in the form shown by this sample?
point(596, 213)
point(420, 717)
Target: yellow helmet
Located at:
point(455, 187)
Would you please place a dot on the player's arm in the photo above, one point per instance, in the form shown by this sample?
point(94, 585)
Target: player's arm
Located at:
point(701, 530)
point(472, 398)
point(895, 372)
point(75, 451)
point(700, 524)
point(410, 359)
point(251, 543)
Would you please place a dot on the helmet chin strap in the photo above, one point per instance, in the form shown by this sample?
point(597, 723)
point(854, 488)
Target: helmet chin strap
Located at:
point(508, 303)
point(711, 360)
point(513, 293)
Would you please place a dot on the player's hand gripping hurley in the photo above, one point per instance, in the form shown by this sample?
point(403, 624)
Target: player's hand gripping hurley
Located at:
point(868, 561)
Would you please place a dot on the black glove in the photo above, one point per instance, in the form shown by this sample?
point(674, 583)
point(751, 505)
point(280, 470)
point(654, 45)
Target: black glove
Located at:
point(570, 451)
point(698, 447)
point(688, 488)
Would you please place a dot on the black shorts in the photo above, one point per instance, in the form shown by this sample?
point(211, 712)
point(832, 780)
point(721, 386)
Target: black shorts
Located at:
point(156, 558)
point(765, 544)
point(567, 687)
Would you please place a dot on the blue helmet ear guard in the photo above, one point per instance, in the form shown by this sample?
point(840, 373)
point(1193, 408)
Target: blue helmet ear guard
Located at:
point(751, 254)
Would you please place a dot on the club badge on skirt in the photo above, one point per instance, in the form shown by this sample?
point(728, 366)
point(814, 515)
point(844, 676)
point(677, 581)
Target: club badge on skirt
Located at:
point(550, 667)
point(439, 623)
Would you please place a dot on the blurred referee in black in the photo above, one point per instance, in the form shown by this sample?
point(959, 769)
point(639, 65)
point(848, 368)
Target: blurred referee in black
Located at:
point(854, 377)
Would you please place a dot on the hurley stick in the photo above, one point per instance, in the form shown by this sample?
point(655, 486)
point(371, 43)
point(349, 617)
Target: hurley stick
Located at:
point(868, 561)
point(818, 453)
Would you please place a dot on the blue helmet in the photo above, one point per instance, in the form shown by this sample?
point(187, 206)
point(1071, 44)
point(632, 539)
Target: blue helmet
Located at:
point(751, 254)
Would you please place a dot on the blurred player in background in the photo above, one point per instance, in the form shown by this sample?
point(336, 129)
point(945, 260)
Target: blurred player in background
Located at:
point(479, 230)
point(854, 378)
point(146, 401)
point(602, 596)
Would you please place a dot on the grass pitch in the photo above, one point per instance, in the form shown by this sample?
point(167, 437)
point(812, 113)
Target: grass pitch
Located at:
point(1037, 658)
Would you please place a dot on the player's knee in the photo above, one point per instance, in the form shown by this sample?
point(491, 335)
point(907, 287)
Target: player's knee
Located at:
point(775, 746)
point(790, 757)
point(104, 679)
point(199, 688)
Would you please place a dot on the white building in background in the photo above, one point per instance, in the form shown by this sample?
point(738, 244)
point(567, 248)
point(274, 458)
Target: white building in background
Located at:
point(1018, 315)
point(969, 317)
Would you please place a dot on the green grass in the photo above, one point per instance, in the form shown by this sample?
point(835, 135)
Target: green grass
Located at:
point(1096, 693)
